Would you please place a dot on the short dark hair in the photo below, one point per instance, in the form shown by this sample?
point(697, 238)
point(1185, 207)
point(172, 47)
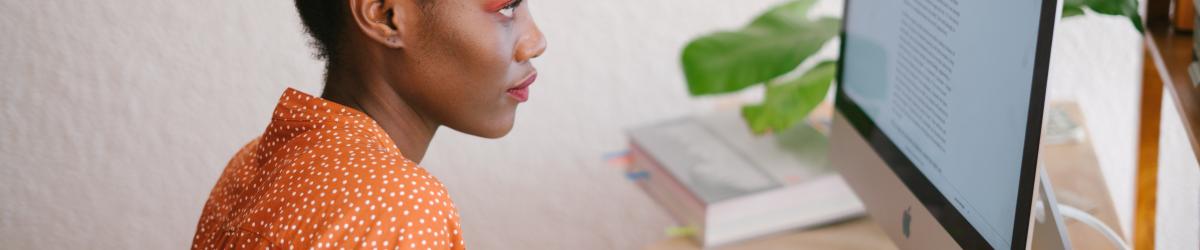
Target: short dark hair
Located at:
point(324, 20)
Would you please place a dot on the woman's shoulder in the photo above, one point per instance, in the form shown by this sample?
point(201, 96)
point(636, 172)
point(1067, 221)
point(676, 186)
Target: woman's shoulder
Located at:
point(360, 164)
point(341, 188)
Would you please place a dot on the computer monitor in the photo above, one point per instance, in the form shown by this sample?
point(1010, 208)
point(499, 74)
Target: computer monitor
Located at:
point(939, 113)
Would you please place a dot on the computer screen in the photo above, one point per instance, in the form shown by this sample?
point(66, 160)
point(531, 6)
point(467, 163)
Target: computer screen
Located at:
point(952, 85)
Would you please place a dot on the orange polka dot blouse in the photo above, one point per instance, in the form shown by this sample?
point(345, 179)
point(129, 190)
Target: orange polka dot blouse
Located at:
point(325, 176)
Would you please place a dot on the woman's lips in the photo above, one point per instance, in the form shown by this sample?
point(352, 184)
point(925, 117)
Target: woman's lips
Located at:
point(521, 92)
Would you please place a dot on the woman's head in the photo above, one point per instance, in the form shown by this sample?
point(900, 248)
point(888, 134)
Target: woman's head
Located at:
point(464, 64)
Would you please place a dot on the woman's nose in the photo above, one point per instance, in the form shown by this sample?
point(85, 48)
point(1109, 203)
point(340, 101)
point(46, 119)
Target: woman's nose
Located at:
point(531, 44)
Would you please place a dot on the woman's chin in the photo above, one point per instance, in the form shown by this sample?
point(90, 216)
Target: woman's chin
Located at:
point(493, 129)
point(495, 134)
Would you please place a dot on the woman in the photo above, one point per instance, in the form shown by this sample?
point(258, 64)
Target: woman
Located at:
point(340, 171)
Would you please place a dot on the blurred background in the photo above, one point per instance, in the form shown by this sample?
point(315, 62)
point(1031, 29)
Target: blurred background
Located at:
point(117, 116)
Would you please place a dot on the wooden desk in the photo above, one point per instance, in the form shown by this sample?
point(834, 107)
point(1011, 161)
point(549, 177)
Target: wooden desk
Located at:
point(860, 233)
point(1079, 182)
point(1073, 171)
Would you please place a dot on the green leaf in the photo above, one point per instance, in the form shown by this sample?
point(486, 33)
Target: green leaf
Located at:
point(1112, 7)
point(1073, 4)
point(783, 15)
point(1070, 11)
point(788, 102)
point(770, 46)
point(1127, 8)
point(1136, 20)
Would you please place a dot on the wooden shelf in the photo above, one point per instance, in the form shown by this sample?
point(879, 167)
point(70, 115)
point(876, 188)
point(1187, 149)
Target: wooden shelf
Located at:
point(1171, 53)
point(1165, 69)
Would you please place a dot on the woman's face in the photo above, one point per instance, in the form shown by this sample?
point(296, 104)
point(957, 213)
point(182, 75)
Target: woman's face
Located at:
point(466, 63)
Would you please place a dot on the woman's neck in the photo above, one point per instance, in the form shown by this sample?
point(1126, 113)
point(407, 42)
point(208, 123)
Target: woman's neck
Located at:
point(370, 93)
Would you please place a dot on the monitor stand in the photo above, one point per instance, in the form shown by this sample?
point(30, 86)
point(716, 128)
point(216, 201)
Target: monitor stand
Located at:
point(1048, 230)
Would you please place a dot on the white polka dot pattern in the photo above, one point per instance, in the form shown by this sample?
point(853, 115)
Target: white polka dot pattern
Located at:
point(325, 176)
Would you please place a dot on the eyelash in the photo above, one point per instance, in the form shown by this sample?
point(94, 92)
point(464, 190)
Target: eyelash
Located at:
point(510, 7)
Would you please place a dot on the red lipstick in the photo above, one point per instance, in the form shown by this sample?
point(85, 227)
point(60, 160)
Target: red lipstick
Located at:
point(521, 92)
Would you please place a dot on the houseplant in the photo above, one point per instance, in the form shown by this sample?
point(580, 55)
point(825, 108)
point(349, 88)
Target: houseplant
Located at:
point(769, 50)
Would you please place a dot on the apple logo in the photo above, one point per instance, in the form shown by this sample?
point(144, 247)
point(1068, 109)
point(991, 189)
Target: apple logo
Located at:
point(906, 220)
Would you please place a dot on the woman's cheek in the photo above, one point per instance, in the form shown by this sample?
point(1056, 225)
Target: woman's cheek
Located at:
point(495, 58)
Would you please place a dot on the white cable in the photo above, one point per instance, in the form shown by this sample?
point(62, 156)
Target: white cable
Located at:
point(1093, 222)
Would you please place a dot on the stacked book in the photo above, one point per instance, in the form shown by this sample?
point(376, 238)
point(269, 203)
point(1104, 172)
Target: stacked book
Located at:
point(725, 185)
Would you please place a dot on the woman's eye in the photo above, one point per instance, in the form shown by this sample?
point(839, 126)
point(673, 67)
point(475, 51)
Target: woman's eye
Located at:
point(510, 8)
point(508, 11)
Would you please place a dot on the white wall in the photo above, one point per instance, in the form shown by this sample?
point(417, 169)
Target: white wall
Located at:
point(116, 116)
point(1177, 226)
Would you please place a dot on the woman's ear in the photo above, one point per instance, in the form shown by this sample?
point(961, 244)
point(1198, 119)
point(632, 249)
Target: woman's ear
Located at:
point(379, 20)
